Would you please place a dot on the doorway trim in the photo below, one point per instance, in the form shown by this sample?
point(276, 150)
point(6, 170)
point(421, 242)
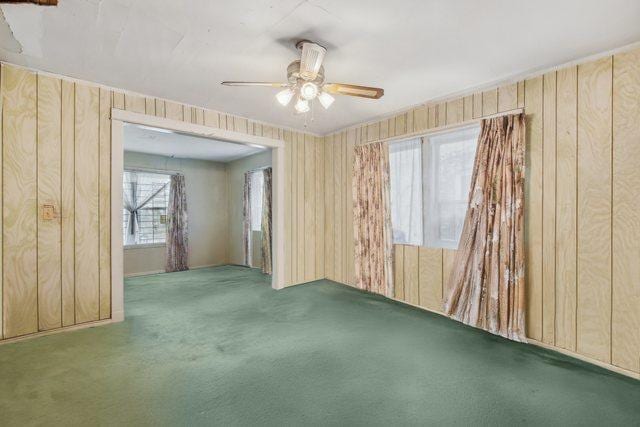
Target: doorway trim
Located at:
point(118, 119)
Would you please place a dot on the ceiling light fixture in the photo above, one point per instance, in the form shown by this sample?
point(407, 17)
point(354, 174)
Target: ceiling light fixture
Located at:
point(302, 106)
point(284, 97)
point(309, 91)
point(326, 100)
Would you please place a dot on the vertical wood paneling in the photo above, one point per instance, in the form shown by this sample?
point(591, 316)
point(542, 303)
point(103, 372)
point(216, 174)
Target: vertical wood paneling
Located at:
point(67, 207)
point(430, 278)
point(1, 212)
point(338, 204)
point(329, 186)
point(173, 110)
point(349, 254)
point(489, 102)
point(477, 105)
point(320, 207)
point(19, 210)
point(625, 328)
point(448, 255)
point(533, 199)
point(294, 206)
point(104, 201)
point(159, 109)
point(432, 116)
point(49, 176)
point(455, 111)
point(549, 209)
point(134, 103)
point(566, 207)
point(149, 105)
point(420, 118)
point(398, 271)
point(411, 275)
point(118, 99)
point(211, 118)
point(300, 217)
point(442, 114)
point(87, 231)
point(288, 215)
point(468, 108)
point(309, 209)
point(507, 97)
point(594, 209)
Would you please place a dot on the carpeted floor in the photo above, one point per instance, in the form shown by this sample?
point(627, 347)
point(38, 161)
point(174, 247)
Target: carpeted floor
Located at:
point(218, 347)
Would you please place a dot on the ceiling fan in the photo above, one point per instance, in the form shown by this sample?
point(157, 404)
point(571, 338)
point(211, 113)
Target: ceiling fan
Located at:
point(305, 81)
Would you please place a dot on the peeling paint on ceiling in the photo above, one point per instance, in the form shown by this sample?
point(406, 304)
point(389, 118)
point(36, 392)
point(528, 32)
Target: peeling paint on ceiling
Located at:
point(415, 50)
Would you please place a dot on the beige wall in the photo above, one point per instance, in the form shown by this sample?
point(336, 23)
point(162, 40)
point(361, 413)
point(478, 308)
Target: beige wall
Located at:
point(582, 205)
point(206, 183)
point(237, 169)
point(56, 149)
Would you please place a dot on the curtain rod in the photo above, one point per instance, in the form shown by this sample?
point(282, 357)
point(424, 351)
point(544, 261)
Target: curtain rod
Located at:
point(150, 170)
point(426, 132)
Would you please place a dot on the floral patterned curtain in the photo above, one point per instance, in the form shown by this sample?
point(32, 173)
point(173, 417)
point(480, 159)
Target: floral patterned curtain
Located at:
point(372, 219)
point(266, 222)
point(487, 282)
point(178, 230)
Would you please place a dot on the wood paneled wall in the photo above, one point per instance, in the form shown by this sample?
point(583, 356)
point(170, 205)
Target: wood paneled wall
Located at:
point(582, 205)
point(56, 149)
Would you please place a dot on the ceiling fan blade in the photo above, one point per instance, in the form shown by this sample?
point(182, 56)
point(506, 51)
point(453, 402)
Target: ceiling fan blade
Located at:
point(311, 60)
point(267, 84)
point(354, 90)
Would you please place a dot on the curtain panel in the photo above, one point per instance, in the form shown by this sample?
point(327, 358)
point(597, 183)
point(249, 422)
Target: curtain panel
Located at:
point(487, 283)
point(266, 222)
point(178, 229)
point(372, 219)
point(133, 201)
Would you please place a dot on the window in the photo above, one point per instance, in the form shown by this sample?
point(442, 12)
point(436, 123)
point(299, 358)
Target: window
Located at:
point(430, 179)
point(405, 161)
point(255, 199)
point(147, 195)
point(449, 164)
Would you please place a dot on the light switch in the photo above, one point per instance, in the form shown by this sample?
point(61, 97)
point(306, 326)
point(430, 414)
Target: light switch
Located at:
point(48, 212)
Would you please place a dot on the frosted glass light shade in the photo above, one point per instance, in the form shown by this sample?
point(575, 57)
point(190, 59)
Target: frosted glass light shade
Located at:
point(284, 97)
point(302, 105)
point(326, 100)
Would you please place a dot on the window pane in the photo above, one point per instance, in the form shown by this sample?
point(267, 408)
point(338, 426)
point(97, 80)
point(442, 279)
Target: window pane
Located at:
point(138, 187)
point(448, 178)
point(255, 199)
point(405, 162)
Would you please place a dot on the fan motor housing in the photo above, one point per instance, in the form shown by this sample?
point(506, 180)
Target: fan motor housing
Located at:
point(293, 75)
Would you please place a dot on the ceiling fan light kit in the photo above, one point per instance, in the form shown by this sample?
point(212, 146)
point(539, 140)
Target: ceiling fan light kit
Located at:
point(305, 79)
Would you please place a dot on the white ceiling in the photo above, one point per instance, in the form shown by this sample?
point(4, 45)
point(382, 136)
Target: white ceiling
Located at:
point(416, 50)
point(143, 139)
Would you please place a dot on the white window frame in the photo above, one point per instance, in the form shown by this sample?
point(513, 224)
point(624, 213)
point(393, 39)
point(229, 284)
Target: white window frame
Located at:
point(152, 244)
point(428, 175)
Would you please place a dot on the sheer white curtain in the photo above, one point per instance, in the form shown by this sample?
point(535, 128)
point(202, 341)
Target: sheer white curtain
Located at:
point(405, 164)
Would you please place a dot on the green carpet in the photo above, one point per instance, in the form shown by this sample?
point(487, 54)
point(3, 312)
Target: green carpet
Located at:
point(218, 347)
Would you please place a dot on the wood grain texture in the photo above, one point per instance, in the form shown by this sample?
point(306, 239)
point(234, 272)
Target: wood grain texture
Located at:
point(420, 118)
point(430, 278)
point(300, 216)
point(288, 211)
point(104, 201)
point(329, 208)
point(294, 206)
point(49, 182)
point(533, 199)
point(1, 214)
point(398, 272)
point(442, 114)
point(67, 206)
point(159, 109)
point(349, 237)
point(455, 111)
point(320, 207)
point(338, 203)
point(477, 105)
point(19, 210)
point(309, 209)
point(467, 113)
point(507, 97)
point(411, 275)
point(625, 327)
point(149, 105)
point(173, 110)
point(118, 100)
point(549, 209)
point(566, 207)
point(489, 102)
point(135, 103)
point(594, 209)
point(432, 116)
point(87, 233)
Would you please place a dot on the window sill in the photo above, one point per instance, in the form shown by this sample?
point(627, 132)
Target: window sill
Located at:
point(144, 246)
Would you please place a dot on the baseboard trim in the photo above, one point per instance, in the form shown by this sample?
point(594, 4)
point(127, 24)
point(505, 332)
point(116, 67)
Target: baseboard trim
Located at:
point(149, 273)
point(531, 341)
point(79, 326)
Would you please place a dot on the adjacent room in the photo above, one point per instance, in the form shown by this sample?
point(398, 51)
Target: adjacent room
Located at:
point(319, 213)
